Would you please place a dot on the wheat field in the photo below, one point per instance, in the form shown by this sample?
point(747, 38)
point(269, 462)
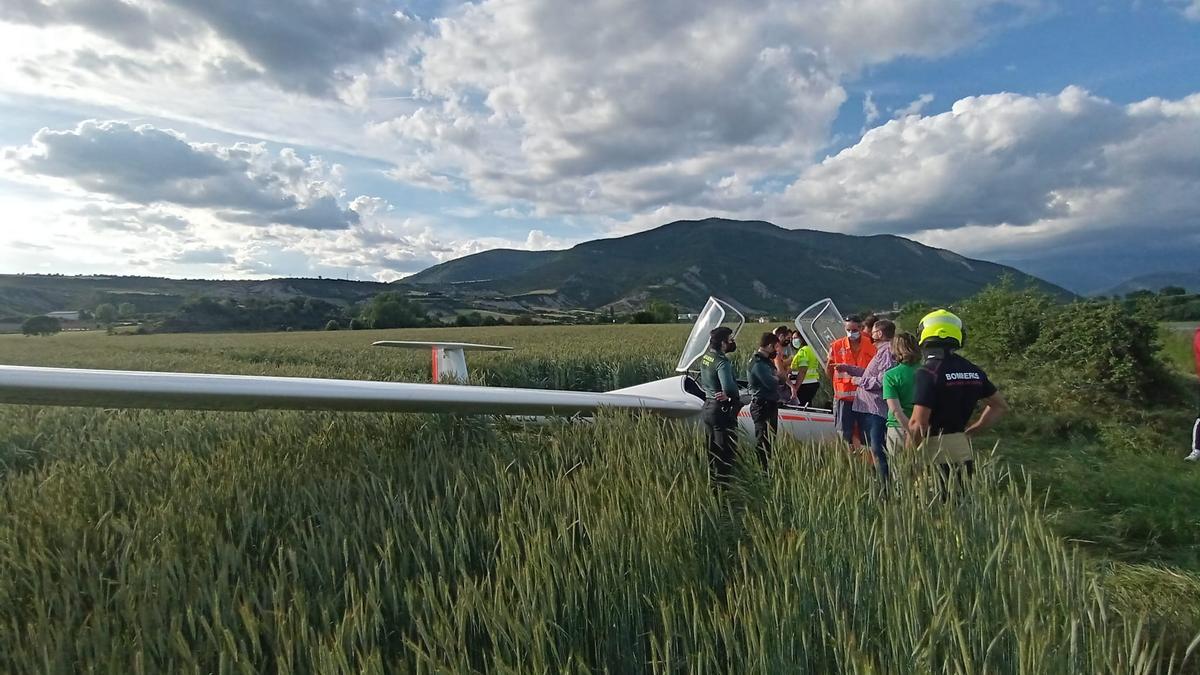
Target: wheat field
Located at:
point(287, 542)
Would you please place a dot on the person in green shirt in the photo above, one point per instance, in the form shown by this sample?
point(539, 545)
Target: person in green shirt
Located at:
point(804, 372)
point(722, 401)
point(898, 389)
point(763, 379)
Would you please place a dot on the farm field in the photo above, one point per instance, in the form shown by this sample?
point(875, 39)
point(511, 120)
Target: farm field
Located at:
point(148, 541)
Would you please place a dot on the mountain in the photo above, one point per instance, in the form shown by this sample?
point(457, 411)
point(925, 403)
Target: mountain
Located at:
point(758, 266)
point(1189, 281)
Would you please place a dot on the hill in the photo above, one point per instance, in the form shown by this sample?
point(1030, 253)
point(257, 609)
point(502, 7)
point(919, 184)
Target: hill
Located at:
point(759, 266)
point(23, 294)
point(1190, 281)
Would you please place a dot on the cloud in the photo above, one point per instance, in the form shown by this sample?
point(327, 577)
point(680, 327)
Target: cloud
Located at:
point(122, 22)
point(417, 174)
point(26, 246)
point(870, 110)
point(146, 165)
point(538, 240)
point(1191, 9)
point(1006, 174)
point(913, 108)
point(626, 105)
point(305, 46)
point(315, 47)
point(108, 217)
point(203, 256)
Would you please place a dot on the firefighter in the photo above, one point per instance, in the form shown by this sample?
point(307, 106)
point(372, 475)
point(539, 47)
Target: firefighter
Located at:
point(946, 390)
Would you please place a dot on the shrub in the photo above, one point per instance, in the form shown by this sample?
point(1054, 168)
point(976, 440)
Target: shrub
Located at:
point(333, 325)
point(357, 324)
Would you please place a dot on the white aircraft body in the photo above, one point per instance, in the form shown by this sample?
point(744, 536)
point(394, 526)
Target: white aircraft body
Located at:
point(678, 397)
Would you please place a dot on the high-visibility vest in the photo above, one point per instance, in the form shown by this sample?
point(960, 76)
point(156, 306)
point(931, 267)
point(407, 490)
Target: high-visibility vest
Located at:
point(841, 352)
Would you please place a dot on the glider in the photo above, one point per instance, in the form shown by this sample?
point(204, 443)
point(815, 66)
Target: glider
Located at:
point(677, 397)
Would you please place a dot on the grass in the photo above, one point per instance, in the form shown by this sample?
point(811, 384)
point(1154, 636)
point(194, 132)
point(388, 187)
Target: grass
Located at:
point(141, 541)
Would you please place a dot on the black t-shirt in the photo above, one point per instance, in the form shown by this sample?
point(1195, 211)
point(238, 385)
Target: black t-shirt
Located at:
point(950, 387)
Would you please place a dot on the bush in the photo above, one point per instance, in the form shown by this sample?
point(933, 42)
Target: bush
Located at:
point(1102, 346)
point(357, 324)
point(333, 325)
point(41, 325)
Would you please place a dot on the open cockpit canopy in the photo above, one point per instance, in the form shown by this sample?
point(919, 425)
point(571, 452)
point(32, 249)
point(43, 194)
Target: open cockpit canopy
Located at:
point(820, 324)
point(715, 313)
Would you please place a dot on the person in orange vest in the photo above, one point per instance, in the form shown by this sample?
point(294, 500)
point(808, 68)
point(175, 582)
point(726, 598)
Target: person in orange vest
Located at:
point(847, 356)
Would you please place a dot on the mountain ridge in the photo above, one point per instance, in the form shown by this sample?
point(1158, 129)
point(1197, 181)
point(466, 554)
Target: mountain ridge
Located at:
point(1189, 281)
point(685, 261)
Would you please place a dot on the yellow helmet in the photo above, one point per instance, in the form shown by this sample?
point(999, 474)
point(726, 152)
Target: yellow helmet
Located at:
point(941, 325)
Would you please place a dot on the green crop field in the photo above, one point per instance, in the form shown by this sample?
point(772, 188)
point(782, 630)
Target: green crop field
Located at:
point(198, 542)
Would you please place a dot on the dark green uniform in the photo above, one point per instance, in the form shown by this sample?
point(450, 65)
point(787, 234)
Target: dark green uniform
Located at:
point(764, 404)
point(720, 417)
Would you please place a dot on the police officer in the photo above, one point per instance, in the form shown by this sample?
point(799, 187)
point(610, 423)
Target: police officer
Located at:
point(764, 384)
point(945, 391)
point(722, 401)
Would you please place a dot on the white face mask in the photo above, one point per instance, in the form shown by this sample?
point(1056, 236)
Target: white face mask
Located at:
point(797, 343)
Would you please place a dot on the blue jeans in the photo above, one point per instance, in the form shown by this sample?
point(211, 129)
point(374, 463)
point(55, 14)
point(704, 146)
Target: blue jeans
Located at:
point(845, 417)
point(874, 428)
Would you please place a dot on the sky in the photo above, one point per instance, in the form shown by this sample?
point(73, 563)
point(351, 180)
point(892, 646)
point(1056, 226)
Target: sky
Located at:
point(370, 139)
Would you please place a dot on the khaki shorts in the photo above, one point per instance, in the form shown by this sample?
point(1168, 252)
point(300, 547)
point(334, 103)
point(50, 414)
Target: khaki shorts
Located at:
point(896, 439)
point(948, 449)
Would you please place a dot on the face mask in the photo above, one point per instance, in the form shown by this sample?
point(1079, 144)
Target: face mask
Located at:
point(854, 334)
point(732, 346)
point(797, 343)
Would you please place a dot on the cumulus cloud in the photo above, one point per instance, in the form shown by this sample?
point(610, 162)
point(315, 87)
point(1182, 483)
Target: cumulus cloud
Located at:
point(1011, 174)
point(146, 165)
point(625, 104)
